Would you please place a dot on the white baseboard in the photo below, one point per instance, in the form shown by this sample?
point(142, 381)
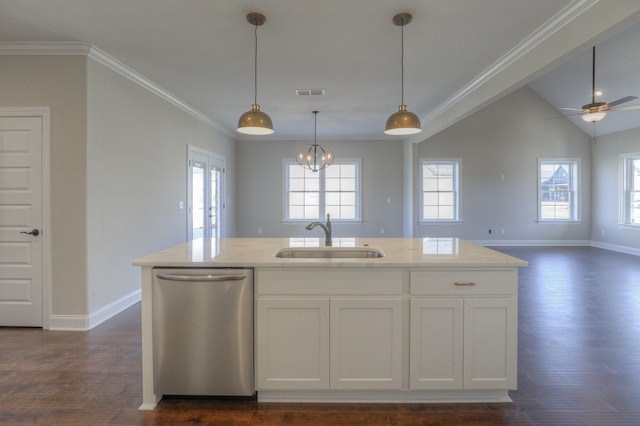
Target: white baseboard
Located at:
point(533, 243)
point(87, 322)
point(389, 396)
point(615, 247)
point(69, 322)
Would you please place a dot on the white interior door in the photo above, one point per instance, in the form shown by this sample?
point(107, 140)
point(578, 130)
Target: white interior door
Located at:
point(206, 195)
point(21, 217)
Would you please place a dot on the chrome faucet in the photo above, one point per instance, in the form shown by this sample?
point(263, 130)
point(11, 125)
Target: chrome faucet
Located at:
point(326, 227)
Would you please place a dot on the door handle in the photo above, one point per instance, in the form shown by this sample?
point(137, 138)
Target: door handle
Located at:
point(33, 232)
point(201, 278)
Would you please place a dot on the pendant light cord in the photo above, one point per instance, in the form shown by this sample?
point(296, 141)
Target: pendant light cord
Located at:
point(255, 67)
point(402, 62)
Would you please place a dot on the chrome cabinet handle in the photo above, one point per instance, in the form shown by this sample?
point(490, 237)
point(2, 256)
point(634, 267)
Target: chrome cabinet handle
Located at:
point(464, 284)
point(201, 278)
point(33, 232)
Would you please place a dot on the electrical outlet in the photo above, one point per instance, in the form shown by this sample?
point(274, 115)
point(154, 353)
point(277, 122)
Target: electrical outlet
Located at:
point(259, 231)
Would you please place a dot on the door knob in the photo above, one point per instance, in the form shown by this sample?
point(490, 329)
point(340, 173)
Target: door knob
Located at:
point(33, 232)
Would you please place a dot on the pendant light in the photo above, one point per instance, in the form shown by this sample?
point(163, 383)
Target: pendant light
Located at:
point(402, 122)
point(255, 122)
point(315, 157)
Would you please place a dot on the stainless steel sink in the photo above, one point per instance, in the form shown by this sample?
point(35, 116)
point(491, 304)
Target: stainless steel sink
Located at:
point(329, 253)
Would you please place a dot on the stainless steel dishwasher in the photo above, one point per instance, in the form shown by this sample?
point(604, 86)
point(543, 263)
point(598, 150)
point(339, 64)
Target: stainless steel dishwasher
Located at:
point(203, 332)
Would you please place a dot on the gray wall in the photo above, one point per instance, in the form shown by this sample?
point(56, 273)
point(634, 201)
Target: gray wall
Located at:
point(60, 83)
point(136, 177)
point(260, 180)
point(606, 231)
point(118, 171)
point(506, 138)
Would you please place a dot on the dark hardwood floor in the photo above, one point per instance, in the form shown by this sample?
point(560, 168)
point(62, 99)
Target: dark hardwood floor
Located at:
point(579, 363)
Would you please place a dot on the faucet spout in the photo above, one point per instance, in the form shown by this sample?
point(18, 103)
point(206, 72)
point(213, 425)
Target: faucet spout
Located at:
point(326, 227)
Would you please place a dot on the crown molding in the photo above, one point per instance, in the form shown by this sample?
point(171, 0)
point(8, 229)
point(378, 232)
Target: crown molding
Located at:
point(98, 55)
point(44, 48)
point(553, 25)
point(112, 63)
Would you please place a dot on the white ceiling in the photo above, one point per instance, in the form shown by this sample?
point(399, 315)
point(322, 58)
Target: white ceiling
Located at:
point(459, 54)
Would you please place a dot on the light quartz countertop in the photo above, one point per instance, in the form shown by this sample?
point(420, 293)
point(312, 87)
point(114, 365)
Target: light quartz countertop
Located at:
point(399, 252)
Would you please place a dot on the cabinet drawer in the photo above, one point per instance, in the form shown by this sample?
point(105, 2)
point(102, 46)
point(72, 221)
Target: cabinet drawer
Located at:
point(472, 282)
point(323, 282)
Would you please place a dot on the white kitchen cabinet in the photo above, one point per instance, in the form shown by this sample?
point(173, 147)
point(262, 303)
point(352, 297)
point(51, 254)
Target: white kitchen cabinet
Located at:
point(463, 334)
point(490, 343)
point(293, 343)
point(436, 342)
point(329, 330)
point(366, 343)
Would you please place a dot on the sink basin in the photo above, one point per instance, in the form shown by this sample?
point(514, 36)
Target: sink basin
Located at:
point(329, 253)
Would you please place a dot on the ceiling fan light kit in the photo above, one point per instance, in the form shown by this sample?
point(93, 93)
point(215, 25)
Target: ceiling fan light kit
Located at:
point(402, 122)
point(593, 117)
point(254, 121)
point(596, 111)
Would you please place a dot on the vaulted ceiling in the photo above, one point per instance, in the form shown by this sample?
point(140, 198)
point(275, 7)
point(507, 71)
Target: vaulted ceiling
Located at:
point(459, 54)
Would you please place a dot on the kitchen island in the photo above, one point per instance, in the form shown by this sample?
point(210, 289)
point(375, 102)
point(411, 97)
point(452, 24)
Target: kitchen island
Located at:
point(432, 320)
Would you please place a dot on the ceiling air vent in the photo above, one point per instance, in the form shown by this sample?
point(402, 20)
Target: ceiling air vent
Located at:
point(310, 92)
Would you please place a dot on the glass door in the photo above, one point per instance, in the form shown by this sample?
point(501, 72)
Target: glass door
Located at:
point(206, 195)
point(216, 170)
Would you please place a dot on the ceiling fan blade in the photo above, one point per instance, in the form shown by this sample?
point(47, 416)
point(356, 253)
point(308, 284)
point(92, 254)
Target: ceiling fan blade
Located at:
point(571, 109)
point(621, 101)
point(625, 108)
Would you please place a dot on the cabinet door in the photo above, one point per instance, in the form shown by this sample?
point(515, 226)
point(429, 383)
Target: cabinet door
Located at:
point(366, 343)
point(490, 343)
point(292, 343)
point(436, 343)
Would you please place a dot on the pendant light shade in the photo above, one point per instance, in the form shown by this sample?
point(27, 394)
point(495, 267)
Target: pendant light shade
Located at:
point(402, 122)
point(315, 157)
point(255, 122)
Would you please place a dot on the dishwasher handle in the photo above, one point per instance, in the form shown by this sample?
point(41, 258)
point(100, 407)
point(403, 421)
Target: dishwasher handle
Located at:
point(201, 278)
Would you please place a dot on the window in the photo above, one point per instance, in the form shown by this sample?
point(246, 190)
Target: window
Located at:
point(558, 190)
point(439, 190)
point(312, 195)
point(630, 186)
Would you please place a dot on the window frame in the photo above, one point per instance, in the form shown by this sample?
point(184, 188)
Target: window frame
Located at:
point(626, 187)
point(575, 185)
point(457, 189)
point(357, 162)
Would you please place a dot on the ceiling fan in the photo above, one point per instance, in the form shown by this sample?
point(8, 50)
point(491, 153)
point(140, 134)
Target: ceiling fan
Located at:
point(596, 111)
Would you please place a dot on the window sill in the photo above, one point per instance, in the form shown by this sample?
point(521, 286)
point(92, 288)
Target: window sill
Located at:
point(629, 226)
point(333, 221)
point(439, 222)
point(559, 222)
